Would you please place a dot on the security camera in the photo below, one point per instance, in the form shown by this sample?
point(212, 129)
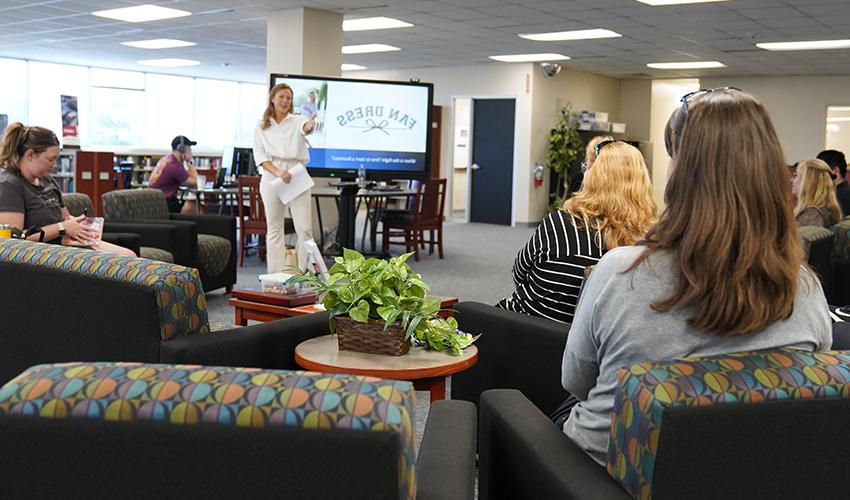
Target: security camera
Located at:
point(550, 69)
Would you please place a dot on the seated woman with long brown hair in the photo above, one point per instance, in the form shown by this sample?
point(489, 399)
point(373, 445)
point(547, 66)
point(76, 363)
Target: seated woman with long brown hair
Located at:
point(722, 271)
point(814, 188)
point(614, 207)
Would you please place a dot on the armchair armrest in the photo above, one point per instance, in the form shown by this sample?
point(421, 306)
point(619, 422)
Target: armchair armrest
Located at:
point(265, 345)
point(445, 467)
point(217, 225)
point(178, 237)
point(535, 369)
point(522, 454)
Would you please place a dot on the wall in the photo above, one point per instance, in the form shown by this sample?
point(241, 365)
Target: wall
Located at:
point(797, 106)
point(496, 80)
point(587, 92)
point(635, 108)
point(666, 95)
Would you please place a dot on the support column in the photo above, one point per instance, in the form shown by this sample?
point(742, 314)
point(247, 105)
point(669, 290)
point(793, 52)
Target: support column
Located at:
point(304, 41)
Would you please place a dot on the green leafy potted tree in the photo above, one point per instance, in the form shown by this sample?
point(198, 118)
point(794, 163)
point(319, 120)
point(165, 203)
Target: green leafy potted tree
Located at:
point(382, 306)
point(565, 146)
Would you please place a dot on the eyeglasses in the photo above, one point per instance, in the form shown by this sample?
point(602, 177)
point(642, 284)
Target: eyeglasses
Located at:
point(692, 96)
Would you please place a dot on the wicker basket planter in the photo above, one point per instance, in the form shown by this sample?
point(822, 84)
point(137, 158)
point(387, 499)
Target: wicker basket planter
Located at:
point(370, 337)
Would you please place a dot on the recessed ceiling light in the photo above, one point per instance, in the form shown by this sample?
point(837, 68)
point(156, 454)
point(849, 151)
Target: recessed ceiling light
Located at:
point(141, 13)
point(687, 65)
point(171, 62)
point(656, 3)
point(811, 45)
point(368, 48)
point(373, 23)
point(570, 35)
point(158, 43)
point(351, 67)
point(529, 57)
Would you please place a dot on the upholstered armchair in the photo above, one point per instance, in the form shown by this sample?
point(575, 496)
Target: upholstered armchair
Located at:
point(131, 430)
point(206, 242)
point(80, 203)
point(841, 263)
point(766, 424)
point(818, 244)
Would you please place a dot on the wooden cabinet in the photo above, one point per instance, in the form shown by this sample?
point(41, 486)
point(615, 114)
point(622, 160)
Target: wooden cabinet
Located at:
point(94, 175)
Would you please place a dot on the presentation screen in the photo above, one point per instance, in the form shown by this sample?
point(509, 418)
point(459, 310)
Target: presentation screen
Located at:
point(382, 125)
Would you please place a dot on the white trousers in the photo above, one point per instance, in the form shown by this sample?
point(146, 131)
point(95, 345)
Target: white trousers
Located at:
point(301, 211)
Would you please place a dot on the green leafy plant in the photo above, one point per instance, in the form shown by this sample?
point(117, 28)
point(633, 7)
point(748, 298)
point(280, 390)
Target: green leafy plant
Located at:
point(565, 146)
point(371, 288)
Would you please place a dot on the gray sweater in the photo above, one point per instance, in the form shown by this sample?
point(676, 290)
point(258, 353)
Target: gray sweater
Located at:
point(614, 327)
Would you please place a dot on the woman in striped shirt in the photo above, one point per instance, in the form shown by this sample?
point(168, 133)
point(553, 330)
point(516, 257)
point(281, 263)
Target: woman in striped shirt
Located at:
point(613, 208)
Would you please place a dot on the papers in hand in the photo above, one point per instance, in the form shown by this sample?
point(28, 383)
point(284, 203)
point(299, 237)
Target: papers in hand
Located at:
point(300, 182)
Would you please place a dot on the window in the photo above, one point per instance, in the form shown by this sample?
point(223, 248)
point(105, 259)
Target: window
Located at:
point(133, 80)
point(169, 109)
point(117, 117)
point(252, 104)
point(46, 82)
point(13, 90)
point(216, 113)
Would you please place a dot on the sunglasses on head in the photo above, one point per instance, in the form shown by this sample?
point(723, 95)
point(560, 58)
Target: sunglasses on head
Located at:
point(692, 96)
point(602, 145)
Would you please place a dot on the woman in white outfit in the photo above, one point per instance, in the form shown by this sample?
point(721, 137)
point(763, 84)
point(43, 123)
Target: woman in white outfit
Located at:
point(280, 144)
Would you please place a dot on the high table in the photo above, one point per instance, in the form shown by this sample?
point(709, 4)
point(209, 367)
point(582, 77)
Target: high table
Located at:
point(222, 193)
point(346, 195)
point(426, 369)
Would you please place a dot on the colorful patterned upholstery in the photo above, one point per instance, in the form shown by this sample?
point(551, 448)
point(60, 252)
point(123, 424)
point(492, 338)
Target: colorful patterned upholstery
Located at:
point(647, 390)
point(841, 245)
point(180, 298)
point(213, 254)
point(153, 253)
point(77, 203)
point(243, 397)
point(134, 204)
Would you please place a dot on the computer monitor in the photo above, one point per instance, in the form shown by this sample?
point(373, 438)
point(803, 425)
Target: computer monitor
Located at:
point(227, 160)
point(243, 162)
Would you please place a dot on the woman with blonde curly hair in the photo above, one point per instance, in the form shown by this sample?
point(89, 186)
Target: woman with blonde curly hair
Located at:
point(614, 207)
point(814, 188)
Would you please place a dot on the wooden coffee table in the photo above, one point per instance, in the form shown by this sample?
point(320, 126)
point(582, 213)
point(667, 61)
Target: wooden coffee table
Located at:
point(252, 303)
point(426, 369)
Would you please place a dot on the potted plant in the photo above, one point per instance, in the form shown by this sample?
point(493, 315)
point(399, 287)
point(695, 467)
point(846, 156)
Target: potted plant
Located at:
point(565, 146)
point(381, 306)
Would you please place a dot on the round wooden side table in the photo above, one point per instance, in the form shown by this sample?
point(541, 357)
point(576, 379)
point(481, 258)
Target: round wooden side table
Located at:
point(426, 369)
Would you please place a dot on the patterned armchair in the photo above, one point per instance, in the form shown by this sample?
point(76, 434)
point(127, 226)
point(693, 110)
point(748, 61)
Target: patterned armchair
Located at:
point(80, 203)
point(841, 263)
point(72, 304)
point(818, 244)
point(205, 242)
point(765, 424)
point(228, 432)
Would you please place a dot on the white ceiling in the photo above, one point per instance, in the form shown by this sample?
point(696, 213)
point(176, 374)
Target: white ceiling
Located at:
point(230, 35)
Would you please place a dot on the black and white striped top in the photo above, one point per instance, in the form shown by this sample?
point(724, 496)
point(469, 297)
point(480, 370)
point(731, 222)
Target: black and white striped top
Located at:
point(549, 270)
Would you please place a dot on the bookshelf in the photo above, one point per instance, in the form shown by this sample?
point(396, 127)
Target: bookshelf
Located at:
point(145, 162)
point(65, 169)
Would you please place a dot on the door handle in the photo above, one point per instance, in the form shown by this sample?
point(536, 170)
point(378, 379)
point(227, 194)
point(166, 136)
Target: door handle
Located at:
point(475, 166)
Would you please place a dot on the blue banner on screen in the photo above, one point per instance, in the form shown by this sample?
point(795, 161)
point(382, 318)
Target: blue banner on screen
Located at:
point(382, 125)
point(373, 160)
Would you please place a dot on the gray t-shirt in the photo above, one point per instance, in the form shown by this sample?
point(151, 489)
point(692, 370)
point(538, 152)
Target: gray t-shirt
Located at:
point(41, 205)
point(615, 327)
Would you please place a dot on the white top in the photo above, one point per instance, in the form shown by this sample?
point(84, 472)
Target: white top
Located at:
point(282, 143)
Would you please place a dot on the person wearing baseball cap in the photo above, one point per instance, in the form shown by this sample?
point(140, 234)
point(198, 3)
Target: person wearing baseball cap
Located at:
point(170, 174)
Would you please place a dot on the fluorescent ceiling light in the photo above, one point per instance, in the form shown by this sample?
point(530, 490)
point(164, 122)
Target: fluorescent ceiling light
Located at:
point(656, 3)
point(812, 45)
point(351, 67)
point(687, 65)
point(158, 43)
point(368, 48)
point(141, 13)
point(570, 35)
point(529, 57)
point(839, 119)
point(373, 23)
point(832, 128)
point(171, 62)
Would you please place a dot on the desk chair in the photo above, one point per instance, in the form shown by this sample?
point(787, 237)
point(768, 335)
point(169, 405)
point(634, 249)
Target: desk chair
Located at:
point(426, 215)
point(252, 216)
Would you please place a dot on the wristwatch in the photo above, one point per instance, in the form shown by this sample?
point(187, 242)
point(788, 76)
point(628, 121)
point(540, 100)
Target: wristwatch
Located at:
point(61, 229)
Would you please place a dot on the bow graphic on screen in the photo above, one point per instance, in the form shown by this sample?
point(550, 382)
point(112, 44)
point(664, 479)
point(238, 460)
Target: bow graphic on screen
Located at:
point(376, 126)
